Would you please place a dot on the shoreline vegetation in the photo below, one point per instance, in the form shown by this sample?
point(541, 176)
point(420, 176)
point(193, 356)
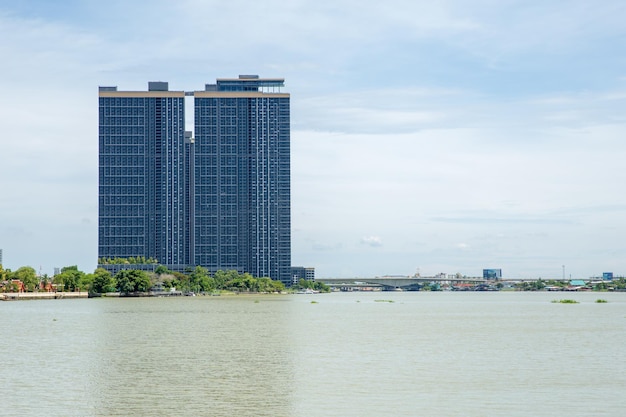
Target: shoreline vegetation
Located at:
point(15, 296)
point(70, 282)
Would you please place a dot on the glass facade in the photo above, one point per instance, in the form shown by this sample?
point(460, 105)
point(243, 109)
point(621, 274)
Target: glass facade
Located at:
point(143, 203)
point(492, 274)
point(220, 199)
point(242, 179)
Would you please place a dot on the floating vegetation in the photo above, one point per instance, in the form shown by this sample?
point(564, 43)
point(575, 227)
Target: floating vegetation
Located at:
point(314, 302)
point(565, 301)
point(384, 301)
point(256, 301)
point(601, 301)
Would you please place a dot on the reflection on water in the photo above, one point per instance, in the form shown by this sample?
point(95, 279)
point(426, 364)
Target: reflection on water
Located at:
point(444, 354)
point(196, 356)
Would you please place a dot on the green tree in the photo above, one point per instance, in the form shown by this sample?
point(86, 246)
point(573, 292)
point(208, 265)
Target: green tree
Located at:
point(44, 281)
point(132, 280)
point(225, 279)
point(71, 278)
point(220, 277)
point(125, 281)
point(181, 281)
point(200, 280)
point(236, 284)
point(160, 270)
point(278, 286)
point(28, 276)
point(538, 285)
point(264, 285)
point(103, 281)
point(232, 279)
point(619, 284)
point(4, 273)
point(314, 285)
point(85, 283)
point(142, 282)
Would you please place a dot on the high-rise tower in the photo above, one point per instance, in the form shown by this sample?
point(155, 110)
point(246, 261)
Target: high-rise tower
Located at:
point(143, 190)
point(242, 177)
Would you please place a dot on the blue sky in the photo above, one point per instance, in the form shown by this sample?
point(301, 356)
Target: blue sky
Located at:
point(439, 136)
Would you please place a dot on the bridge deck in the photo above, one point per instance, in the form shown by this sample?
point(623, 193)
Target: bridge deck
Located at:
point(398, 282)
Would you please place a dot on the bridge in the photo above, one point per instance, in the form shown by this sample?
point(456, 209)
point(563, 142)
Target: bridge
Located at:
point(393, 281)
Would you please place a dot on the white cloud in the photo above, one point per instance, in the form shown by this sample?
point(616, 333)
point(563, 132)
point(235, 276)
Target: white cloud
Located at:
point(373, 241)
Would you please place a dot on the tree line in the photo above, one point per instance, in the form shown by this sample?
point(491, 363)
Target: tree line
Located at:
point(539, 285)
point(136, 281)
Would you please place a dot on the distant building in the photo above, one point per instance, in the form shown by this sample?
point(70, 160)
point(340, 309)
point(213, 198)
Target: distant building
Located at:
point(608, 276)
point(309, 274)
point(492, 274)
point(301, 272)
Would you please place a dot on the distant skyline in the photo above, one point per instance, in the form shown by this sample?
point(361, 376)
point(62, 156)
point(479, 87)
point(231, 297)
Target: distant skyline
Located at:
point(441, 136)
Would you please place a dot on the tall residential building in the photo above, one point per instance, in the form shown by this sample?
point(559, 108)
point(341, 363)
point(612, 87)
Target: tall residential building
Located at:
point(143, 198)
point(220, 199)
point(242, 177)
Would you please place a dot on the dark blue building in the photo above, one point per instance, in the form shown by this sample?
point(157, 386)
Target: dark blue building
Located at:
point(242, 177)
point(492, 273)
point(143, 204)
point(220, 199)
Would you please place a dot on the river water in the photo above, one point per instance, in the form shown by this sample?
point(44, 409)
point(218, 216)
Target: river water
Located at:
point(341, 354)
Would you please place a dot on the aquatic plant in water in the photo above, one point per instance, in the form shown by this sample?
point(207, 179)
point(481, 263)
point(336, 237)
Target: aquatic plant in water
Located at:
point(565, 301)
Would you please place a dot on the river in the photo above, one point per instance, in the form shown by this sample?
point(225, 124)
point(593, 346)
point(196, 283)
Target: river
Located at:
point(341, 354)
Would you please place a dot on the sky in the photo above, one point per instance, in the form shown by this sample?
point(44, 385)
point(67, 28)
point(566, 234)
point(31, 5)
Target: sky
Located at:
point(426, 136)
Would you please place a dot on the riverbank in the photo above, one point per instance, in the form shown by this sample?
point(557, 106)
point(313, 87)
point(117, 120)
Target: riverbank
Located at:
point(84, 294)
point(17, 296)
